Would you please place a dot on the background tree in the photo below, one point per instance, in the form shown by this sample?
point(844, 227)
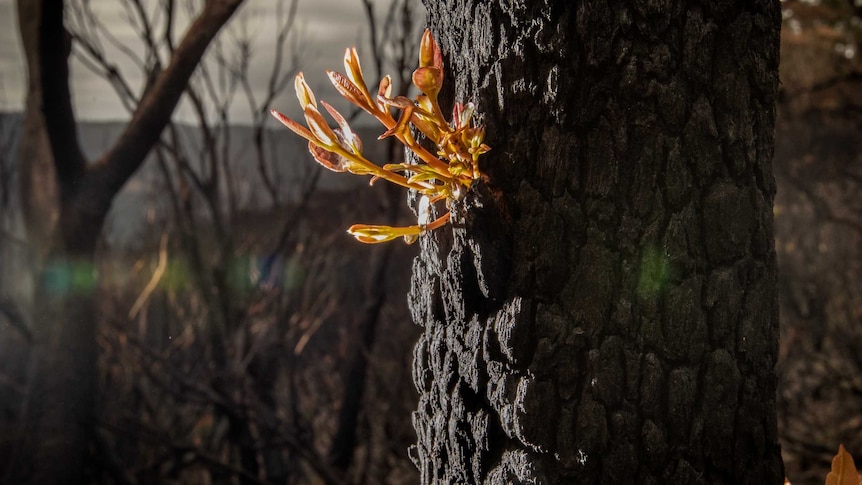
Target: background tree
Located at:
point(606, 310)
point(224, 354)
point(67, 199)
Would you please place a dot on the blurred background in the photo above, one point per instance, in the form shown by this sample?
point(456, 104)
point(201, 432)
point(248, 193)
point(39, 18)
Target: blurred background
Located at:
point(818, 234)
point(317, 386)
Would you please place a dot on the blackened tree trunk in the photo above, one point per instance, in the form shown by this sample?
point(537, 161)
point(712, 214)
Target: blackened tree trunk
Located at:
point(606, 310)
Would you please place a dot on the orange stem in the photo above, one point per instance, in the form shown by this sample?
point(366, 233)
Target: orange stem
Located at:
point(440, 222)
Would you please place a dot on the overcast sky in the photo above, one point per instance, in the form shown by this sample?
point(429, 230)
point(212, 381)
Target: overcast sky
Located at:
point(325, 28)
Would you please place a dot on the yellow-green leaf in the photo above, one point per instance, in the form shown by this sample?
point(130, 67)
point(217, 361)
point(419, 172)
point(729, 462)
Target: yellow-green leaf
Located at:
point(371, 234)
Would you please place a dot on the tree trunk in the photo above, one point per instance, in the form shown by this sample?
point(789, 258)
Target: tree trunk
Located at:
point(603, 309)
point(66, 201)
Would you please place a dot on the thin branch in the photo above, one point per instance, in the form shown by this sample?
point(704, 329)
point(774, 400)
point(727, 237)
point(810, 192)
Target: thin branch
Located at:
point(93, 60)
point(157, 106)
point(167, 33)
point(154, 281)
point(146, 30)
point(278, 82)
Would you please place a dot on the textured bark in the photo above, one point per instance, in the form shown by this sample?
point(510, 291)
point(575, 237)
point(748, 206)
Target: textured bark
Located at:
point(604, 309)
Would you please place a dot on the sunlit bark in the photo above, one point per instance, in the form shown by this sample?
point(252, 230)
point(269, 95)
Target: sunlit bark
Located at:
point(606, 311)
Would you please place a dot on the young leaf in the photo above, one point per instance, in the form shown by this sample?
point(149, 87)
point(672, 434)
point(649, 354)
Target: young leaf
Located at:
point(328, 159)
point(429, 80)
point(429, 52)
point(371, 234)
point(354, 71)
point(384, 90)
point(319, 128)
point(303, 92)
point(350, 140)
point(294, 126)
point(843, 470)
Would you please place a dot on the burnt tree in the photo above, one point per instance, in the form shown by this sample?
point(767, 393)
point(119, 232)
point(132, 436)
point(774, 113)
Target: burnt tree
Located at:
point(67, 198)
point(604, 308)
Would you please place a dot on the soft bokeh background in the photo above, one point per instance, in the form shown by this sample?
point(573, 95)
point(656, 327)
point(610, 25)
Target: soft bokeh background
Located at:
point(316, 384)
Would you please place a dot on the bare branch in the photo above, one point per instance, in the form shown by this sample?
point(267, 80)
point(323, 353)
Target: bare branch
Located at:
point(94, 60)
point(155, 109)
point(167, 34)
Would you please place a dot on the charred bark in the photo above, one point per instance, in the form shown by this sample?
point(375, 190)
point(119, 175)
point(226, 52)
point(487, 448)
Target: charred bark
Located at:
point(603, 309)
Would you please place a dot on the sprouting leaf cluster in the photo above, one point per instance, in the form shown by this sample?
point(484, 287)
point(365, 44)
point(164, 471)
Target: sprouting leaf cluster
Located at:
point(441, 176)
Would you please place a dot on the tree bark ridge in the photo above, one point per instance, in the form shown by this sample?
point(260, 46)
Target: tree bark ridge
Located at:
point(604, 310)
